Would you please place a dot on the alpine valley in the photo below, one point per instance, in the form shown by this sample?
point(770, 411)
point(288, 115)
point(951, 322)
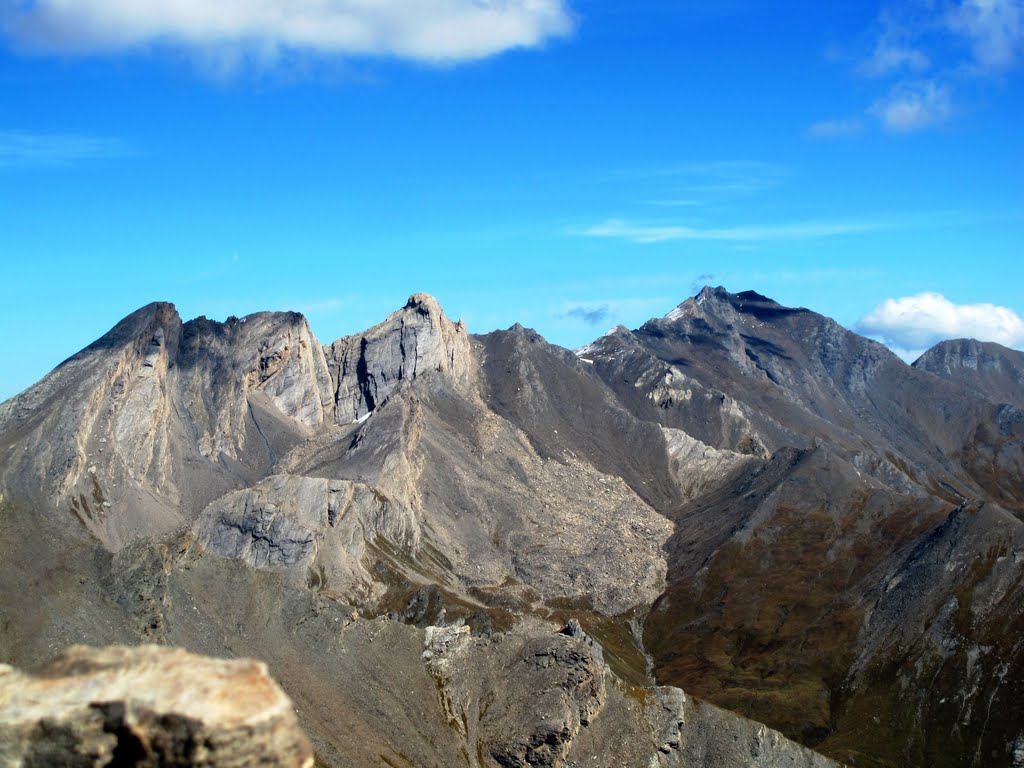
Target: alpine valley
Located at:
point(739, 535)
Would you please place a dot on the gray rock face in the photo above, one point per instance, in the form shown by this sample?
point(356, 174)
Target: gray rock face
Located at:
point(225, 366)
point(712, 736)
point(575, 710)
point(413, 341)
point(699, 468)
point(143, 428)
point(147, 706)
point(992, 370)
point(553, 683)
point(317, 530)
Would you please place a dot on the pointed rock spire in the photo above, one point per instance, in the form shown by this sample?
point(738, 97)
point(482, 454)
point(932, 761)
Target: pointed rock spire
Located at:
point(417, 340)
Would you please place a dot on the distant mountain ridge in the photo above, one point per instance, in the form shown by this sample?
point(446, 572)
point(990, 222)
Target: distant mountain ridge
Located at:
point(742, 500)
point(992, 370)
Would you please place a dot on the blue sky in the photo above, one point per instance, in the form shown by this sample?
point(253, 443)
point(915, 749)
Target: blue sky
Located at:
point(568, 165)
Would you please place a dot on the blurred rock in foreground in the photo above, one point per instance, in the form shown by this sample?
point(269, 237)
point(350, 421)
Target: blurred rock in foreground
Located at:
point(147, 706)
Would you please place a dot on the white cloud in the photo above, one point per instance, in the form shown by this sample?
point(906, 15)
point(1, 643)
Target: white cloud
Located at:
point(836, 128)
point(894, 51)
point(623, 230)
point(888, 58)
point(957, 42)
point(26, 149)
point(911, 107)
point(995, 29)
point(426, 30)
point(914, 323)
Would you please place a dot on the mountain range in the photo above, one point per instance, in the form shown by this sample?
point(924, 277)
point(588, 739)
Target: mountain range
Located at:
point(737, 535)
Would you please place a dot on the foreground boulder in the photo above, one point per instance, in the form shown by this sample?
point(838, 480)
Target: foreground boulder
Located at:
point(147, 706)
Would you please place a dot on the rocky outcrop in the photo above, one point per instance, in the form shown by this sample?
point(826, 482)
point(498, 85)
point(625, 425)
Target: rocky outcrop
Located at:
point(140, 430)
point(147, 706)
point(990, 369)
point(712, 736)
point(416, 340)
point(521, 698)
point(229, 369)
point(543, 696)
point(317, 530)
point(699, 468)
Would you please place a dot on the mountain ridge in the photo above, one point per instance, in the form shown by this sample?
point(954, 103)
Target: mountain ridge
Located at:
point(736, 500)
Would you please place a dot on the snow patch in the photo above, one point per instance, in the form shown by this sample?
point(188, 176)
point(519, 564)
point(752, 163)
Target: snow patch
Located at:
point(678, 312)
point(593, 346)
point(363, 418)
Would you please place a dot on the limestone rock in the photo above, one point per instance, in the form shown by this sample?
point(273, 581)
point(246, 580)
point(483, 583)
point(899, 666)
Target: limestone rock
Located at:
point(223, 365)
point(699, 468)
point(990, 369)
point(314, 528)
point(521, 698)
point(141, 429)
point(696, 733)
point(416, 340)
point(147, 706)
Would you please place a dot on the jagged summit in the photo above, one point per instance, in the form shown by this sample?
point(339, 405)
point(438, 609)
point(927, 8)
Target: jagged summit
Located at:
point(718, 301)
point(158, 315)
point(413, 341)
point(425, 303)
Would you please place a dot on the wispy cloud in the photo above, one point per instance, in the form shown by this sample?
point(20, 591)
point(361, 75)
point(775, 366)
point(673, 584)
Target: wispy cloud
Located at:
point(913, 106)
point(590, 314)
point(20, 149)
point(697, 183)
point(833, 128)
point(995, 29)
point(423, 30)
point(895, 50)
point(669, 203)
point(608, 311)
point(705, 278)
point(645, 234)
point(926, 52)
point(914, 323)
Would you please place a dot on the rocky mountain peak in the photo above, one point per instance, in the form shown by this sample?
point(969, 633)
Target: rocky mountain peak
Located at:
point(995, 371)
point(157, 320)
point(969, 354)
point(414, 341)
point(425, 303)
point(717, 307)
